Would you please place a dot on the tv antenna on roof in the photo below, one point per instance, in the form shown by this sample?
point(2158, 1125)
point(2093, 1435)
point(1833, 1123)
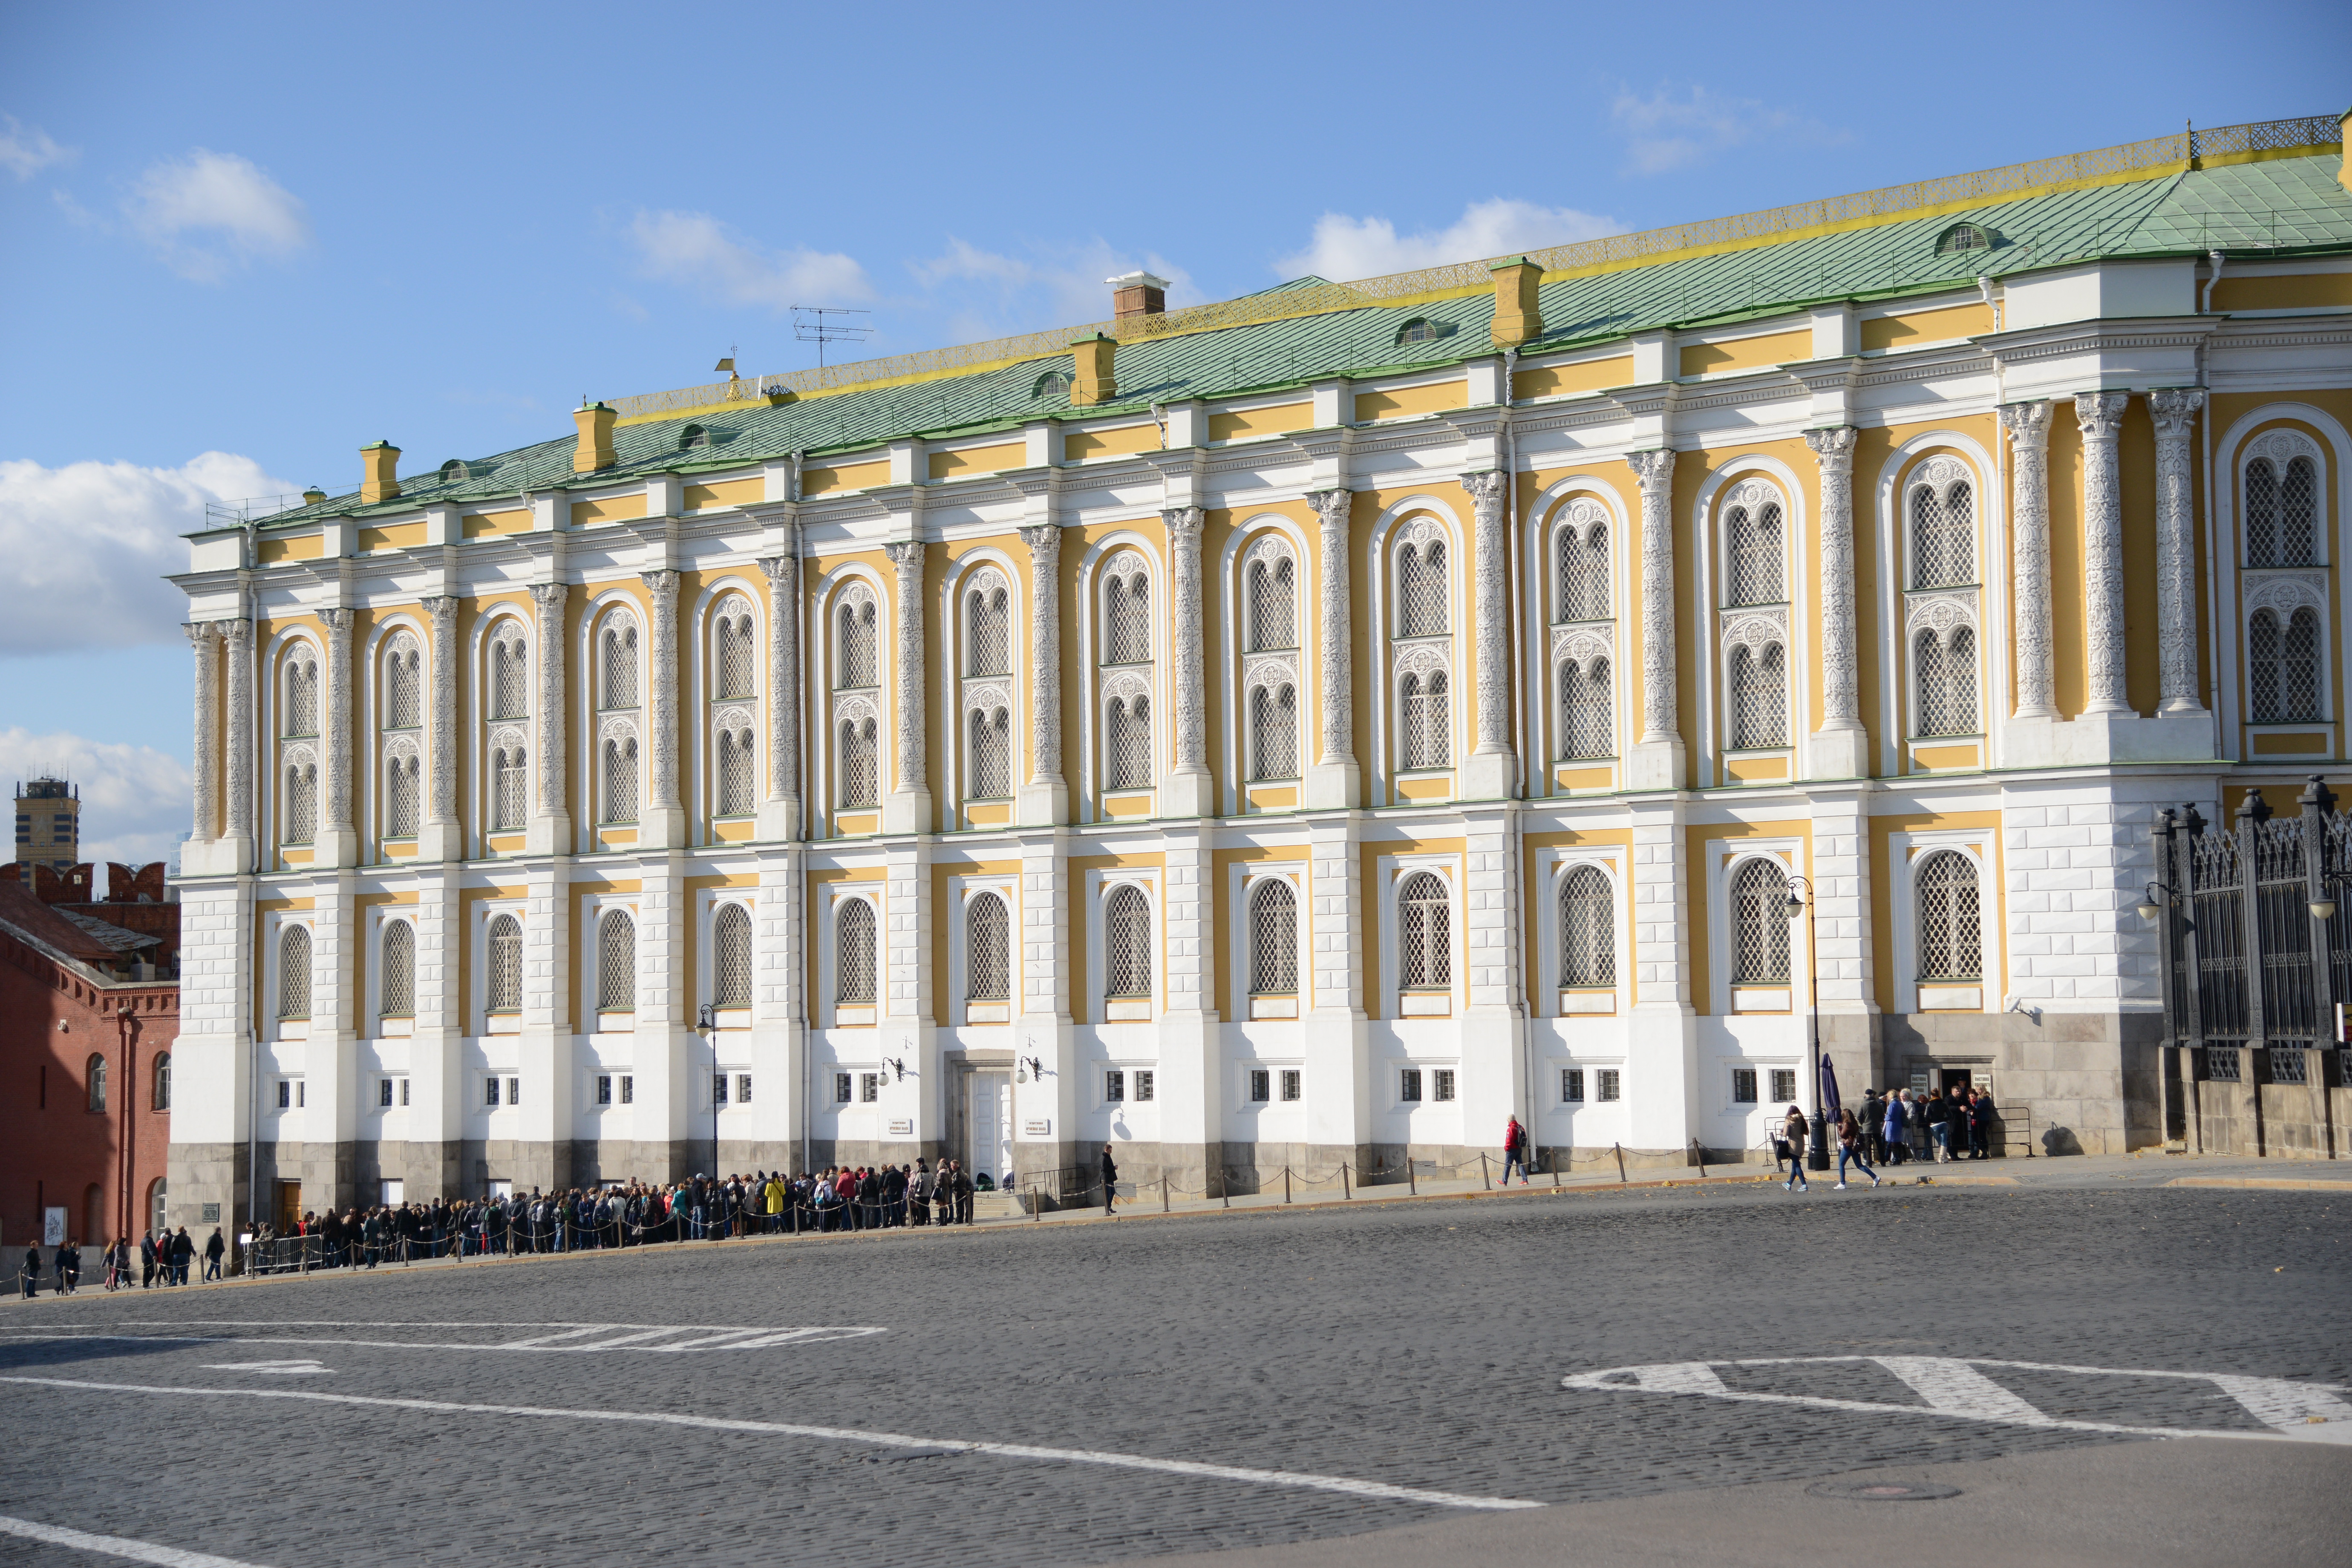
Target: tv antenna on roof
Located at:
point(810, 326)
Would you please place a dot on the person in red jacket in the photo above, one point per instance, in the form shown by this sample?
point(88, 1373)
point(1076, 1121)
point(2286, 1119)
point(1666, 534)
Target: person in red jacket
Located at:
point(1515, 1151)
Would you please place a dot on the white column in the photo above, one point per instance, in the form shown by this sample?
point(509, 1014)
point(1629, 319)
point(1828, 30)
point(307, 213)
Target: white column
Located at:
point(668, 1042)
point(2175, 413)
point(1840, 747)
point(1661, 1036)
point(1046, 798)
point(1843, 958)
point(1190, 790)
point(203, 637)
point(1657, 761)
point(1492, 770)
point(1189, 1026)
point(338, 839)
point(907, 807)
point(780, 811)
point(2028, 425)
point(1334, 780)
point(437, 1101)
point(1048, 905)
point(238, 673)
point(440, 839)
point(543, 1051)
point(907, 1034)
point(778, 1017)
point(1337, 1036)
point(330, 1055)
point(2100, 417)
point(1494, 1058)
point(550, 829)
point(662, 824)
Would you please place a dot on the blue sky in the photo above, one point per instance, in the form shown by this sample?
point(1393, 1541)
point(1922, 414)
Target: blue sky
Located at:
point(241, 244)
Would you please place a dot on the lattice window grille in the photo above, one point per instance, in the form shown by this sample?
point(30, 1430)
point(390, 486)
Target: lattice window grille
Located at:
point(1426, 720)
point(987, 950)
point(616, 962)
point(2298, 665)
point(506, 965)
point(2299, 514)
point(1943, 536)
point(738, 773)
point(1273, 733)
point(1759, 919)
point(1127, 605)
point(2261, 513)
point(859, 775)
point(1588, 929)
point(400, 790)
point(738, 655)
point(1274, 938)
point(620, 665)
point(302, 696)
point(404, 705)
point(1950, 939)
point(1946, 672)
point(1586, 727)
point(1420, 572)
point(1128, 734)
point(301, 803)
point(619, 780)
point(509, 680)
point(294, 972)
point(1757, 560)
point(1273, 604)
point(1424, 932)
point(509, 780)
point(858, 664)
point(853, 959)
point(1584, 573)
point(1127, 942)
point(397, 992)
point(992, 754)
point(1759, 698)
point(730, 957)
point(989, 609)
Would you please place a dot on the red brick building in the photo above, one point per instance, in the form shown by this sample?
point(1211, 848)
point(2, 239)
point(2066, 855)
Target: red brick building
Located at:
point(90, 1009)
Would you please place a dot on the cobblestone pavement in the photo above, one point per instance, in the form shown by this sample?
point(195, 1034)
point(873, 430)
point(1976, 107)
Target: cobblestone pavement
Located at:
point(1416, 1347)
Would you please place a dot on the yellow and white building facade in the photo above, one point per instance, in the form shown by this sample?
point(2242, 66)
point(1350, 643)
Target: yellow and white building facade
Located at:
point(1303, 730)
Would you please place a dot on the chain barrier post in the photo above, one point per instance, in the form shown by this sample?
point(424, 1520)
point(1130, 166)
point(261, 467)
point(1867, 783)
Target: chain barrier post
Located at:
point(1552, 1159)
point(1699, 1156)
point(1620, 1160)
point(1344, 1193)
point(1285, 1183)
point(1485, 1173)
point(1412, 1184)
point(1037, 1202)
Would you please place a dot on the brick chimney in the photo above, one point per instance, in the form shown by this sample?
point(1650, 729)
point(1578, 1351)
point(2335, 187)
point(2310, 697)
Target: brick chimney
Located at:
point(379, 476)
point(1137, 294)
point(1094, 361)
point(596, 448)
point(1518, 315)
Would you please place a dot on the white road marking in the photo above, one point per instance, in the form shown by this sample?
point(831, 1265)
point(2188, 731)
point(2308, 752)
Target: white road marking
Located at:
point(116, 1545)
point(2303, 1412)
point(566, 1339)
point(1343, 1484)
point(274, 1368)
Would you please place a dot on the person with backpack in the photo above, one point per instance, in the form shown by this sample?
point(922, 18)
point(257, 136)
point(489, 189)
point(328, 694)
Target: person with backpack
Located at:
point(1792, 1148)
point(1514, 1151)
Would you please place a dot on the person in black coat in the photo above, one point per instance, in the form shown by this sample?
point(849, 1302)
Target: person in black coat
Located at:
point(1109, 1178)
point(29, 1273)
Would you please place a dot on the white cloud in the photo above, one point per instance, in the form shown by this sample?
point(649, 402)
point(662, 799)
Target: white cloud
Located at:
point(1345, 249)
point(134, 798)
point(993, 293)
point(83, 548)
point(698, 251)
point(27, 149)
point(209, 211)
point(1666, 130)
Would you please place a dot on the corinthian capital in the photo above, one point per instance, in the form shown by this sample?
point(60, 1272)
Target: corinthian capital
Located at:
point(1833, 447)
point(549, 597)
point(1182, 520)
point(663, 586)
point(1487, 490)
point(1332, 506)
point(1044, 540)
point(1655, 470)
point(2174, 409)
point(2099, 414)
point(2028, 424)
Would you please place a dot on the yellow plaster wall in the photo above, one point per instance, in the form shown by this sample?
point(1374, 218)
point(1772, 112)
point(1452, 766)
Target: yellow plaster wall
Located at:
point(494, 525)
point(1079, 445)
point(824, 480)
point(399, 536)
point(2136, 456)
point(1906, 329)
point(1695, 841)
point(1561, 380)
point(1241, 423)
point(724, 493)
point(613, 509)
point(2067, 651)
point(306, 547)
point(2284, 291)
point(1747, 354)
point(1405, 400)
point(969, 460)
point(1992, 907)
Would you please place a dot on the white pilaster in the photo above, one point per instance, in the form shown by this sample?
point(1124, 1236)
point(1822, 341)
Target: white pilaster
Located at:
point(1190, 791)
point(2175, 413)
point(1048, 906)
point(1337, 1041)
point(1335, 780)
point(1661, 1036)
point(1655, 761)
point(1494, 1046)
point(204, 820)
point(1046, 797)
point(661, 822)
point(780, 810)
point(1839, 748)
point(1190, 1102)
point(338, 841)
point(2100, 417)
point(1491, 771)
point(550, 829)
point(2028, 425)
point(907, 807)
point(440, 836)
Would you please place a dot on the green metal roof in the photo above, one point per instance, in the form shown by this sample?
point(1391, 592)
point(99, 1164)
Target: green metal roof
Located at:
point(2281, 206)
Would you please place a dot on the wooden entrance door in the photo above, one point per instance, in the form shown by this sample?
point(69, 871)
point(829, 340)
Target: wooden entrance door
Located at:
point(290, 1206)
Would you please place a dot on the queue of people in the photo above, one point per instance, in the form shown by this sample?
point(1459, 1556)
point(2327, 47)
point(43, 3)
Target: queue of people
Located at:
point(1889, 1130)
point(164, 1258)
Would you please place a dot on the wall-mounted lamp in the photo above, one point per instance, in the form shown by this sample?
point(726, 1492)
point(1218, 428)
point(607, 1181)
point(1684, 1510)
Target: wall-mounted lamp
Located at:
point(897, 1065)
point(1036, 1069)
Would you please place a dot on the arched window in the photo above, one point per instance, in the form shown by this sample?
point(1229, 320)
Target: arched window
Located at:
point(2283, 515)
point(401, 782)
point(853, 953)
point(1274, 937)
point(294, 972)
point(1947, 668)
point(855, 622)
point(620, 644)
point(1759, 924)
point(1426, 722)
point(859, 775)
point(692, 438)
point(1421, 584)
point(397, 992)
point(509, 798)
point(987, 951)
point(1053, 383)
point(1588, 929)
point(1424, 932)
point(94, 1072)
point(619, 780)
point(301, 799)
point(737, 774)
point(1963, 237)
point(403, 702)
point(456, 472)
point(1419, 330)
point(616, 962)
point(1951, 944)
point(730, 957)
point(505, 990)
point(1584, 572)
point(1943, 533)
point(1126, 607)
point(988, 613)
point(1127, 942)
point(737, 654)
point(162, 1073)
point(301, 693)
point(992, 754)
point(1759, 698)
point(1757, 558)
point(158, 1204)
point(1273, 605)
point(1127, 742)
point(509, 675)
point(1586, 728)
point(1273, 733)
point(2283, 667)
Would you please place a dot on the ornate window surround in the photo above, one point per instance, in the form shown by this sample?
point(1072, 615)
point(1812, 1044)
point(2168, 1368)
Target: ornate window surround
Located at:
point(373, 718)
point(615, 608)
point(378, 929)
point(1095, 895)
point(1241, 881)
point(1245, 668)
point(1754, 626)
point(1940, 611)
point(273, 936)
point(479, 914)
point(1550, 642)
point(1906, 854)
point(730, 592)
point(495, 734)
point(1391, 873)
point(299, 642)
point(1415, 519)
point(830, 1010)
point(1724, 857)
point(593, 908)
point(707, 905)
point(2283, 589)
point(1103, 681)
point(962, 1012)
point(1552, 867)
point(1899, 612)
point(989, 691)
point(854, 704)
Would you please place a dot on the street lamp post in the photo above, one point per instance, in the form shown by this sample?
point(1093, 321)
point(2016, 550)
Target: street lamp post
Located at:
point(1800, 897)
point(710, 1033)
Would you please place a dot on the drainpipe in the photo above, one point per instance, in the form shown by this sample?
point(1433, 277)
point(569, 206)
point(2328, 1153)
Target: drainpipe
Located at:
point(2205, 304)
point(1984, 287)
point(1527, 731)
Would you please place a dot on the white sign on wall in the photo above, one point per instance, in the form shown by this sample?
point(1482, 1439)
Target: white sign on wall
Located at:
point(53, 1228)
